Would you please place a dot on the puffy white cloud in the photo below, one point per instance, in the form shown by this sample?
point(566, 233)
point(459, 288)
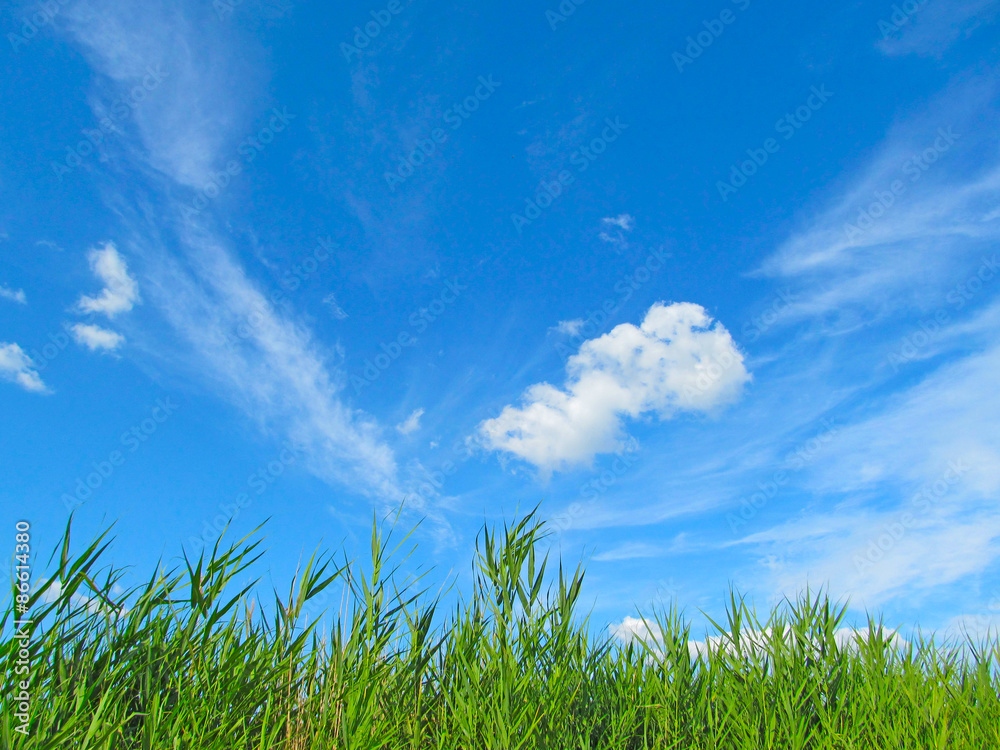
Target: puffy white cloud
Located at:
point(635, 628)
point(17, 367)
point(411, 423)
point(679, 359)
point(13, 296)
point(95, 337)
point(120, 292)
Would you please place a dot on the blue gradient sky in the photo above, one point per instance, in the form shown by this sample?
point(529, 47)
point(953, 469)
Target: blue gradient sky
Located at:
point(716, 284)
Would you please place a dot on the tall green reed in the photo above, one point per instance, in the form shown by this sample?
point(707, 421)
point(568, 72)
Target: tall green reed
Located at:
point(194, 659)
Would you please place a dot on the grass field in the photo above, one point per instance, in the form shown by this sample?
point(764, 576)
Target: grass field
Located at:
point(191, 660)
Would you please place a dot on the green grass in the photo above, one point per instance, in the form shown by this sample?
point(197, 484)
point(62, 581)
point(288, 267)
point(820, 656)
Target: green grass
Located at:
point(192, 660)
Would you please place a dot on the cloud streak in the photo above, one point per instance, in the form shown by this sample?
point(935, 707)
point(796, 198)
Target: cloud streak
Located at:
point(276, 373)
point(17, 367)
point(14, 296)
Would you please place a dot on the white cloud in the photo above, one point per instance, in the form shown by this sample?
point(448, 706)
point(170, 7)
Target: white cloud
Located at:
point(622, 221)
point(120, 292)
point(569, 327)
point(639, 550)
point(411, 423)
point(95, 337)
point(875, 268)
point(977, 627)
point(13, 296)
point(335, 309)
point(199, 88)
point(679, 359)
point(276, 373)
point(635, 628)
point(754, 643)
point(631, 551)
point(17, 367)
point(52, 591)
point(869, 252)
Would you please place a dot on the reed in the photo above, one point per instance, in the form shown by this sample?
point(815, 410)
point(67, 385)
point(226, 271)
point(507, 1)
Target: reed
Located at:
point(193, 660)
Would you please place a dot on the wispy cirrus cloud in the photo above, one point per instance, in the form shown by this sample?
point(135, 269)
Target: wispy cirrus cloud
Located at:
point(907, 243)
point(17, 367)
point(13, 295)
point(930, 28)
point(276, 373)
point(195, 111)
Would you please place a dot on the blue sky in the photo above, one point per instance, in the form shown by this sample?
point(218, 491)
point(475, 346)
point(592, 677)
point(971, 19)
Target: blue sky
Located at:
point(717, 285)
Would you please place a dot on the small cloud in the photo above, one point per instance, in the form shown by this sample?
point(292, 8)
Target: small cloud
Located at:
point(13, 296)
point(570, 327)
point(625, 222)
point(120, 292)
point(18, 367)
point(95, 337)
point(749, 642)
point(49, 244)
point(622, 223)
point(678, 360)
point(635, 628)
point(335, 309)
point(411, 423)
